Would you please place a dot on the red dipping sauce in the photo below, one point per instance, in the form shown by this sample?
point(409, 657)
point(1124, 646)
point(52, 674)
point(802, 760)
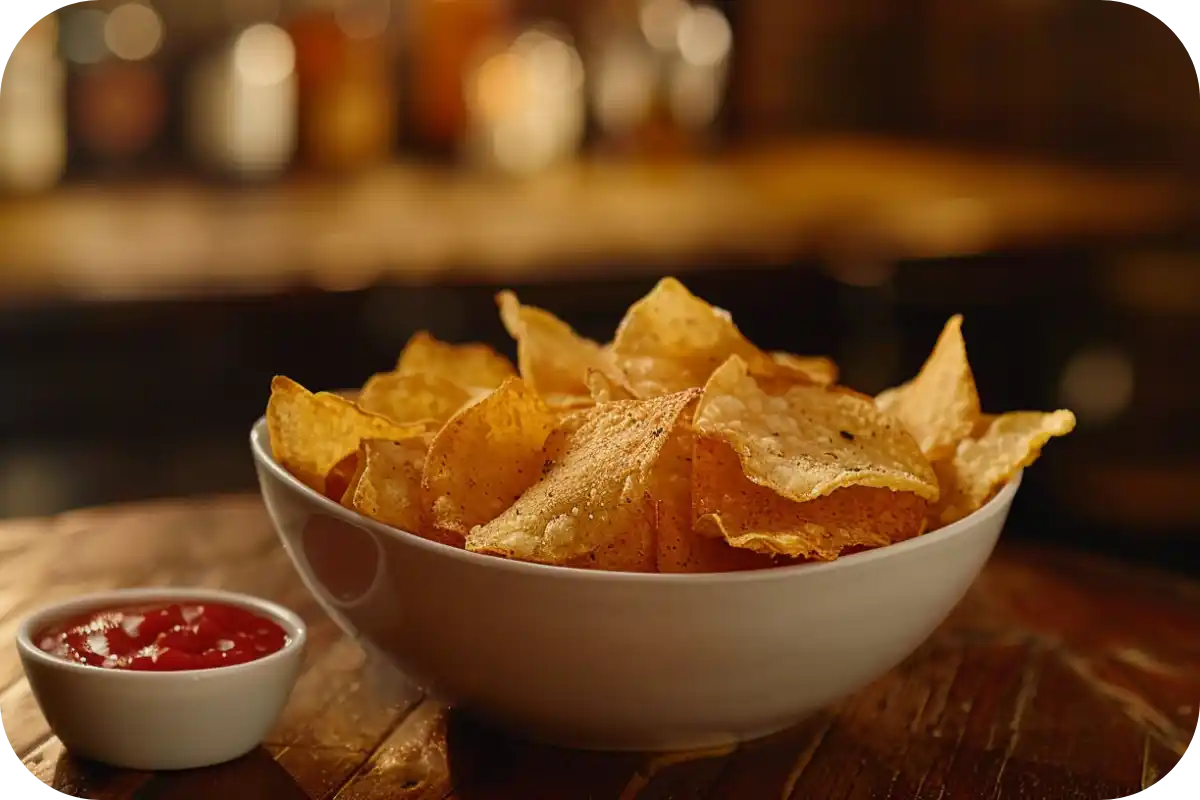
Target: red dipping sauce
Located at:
point(164, 638)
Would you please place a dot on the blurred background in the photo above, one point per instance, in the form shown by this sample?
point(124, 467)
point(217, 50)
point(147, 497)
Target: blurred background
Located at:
point(198, 194)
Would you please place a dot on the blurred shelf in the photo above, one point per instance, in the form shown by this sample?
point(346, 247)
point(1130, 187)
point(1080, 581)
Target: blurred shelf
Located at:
point(413, 224)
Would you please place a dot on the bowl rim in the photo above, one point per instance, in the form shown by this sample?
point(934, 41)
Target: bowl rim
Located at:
point(47, 614)
point(1000, 502)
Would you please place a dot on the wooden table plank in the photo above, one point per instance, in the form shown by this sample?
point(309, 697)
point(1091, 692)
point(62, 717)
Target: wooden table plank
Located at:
point(1059, 675)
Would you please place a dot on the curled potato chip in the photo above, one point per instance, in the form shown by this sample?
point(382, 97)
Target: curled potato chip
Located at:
point(679, 547)
point(412, 397)
point(552, 358)
point(485, 457)
point(471, 366)
point(388, 487)
point(311, 433)
point(981, 466)
point(671, 340)
point(804, 441)
point(592, 506)
point(940, 406)
point(746, 515)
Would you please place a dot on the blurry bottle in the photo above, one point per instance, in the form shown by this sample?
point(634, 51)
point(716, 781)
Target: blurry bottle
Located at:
point(119, 97)
point(241, 104)
point(446, 39)
point(33, 137)
point(527, 108)
point(347, 100)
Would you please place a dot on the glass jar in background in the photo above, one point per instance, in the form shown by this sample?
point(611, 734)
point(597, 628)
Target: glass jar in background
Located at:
point(347, 95)
point(33, 135)
point(445, 40)
point(241, 100)
point(118, 97)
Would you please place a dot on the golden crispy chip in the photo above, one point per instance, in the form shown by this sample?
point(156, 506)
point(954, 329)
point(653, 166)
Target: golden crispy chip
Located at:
point(817, 369)
point(388, 488)
point(680, 548)
point(342, 477)
point(553, 359)
point(592, 506)
point(940, 406)
point(804, 441)
point(981, 466)
point(603, 389)
point(471, 366)
point(671, 340)
point(413, 397)
point(750, 516)
point(485, 456)
point(982, 424)
point(311, 433)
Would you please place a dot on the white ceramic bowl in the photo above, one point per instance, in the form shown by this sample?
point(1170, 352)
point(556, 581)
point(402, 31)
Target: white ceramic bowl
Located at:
point(605, 660)
point(161, 720)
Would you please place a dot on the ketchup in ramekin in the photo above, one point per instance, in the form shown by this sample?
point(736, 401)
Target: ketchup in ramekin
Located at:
point(169, 637)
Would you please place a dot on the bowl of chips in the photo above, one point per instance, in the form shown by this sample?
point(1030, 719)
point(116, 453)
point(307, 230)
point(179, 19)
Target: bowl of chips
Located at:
point(670, 541)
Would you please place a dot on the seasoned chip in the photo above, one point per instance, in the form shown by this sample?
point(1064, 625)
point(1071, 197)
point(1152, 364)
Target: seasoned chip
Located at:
point(981, 466)
point(412, 397)
point(553, 359)
point(311, 433)
point(603, 389)
point(680, 548)
point(471, 366)
point(729, 505)
point(592, 506)
point(804, 441)
point(388, 488)
point(485, 456)
point(671, 340)
point(940, 406)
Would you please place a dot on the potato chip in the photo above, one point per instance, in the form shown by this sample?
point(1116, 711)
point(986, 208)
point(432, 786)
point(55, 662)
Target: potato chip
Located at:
point(311, 433)
point(552, 358)
point(603, 389)
point(412, 397)
point(940, 406)
point(471, 366)
point(981, 466)
point(817, 369)
point(485, 457)
point(341, 477)
point(671, 340)
point(679, 548)
point(388, 488)
point(746, 515)
point(804, 441)
point(592, 506)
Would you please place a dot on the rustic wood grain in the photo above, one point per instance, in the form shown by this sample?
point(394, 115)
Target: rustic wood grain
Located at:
point(1060, 675)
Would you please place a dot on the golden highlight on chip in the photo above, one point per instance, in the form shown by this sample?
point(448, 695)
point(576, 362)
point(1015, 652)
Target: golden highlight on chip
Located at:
point(940, 406)
point(311, 433)
point(982, 465)
point(552, 358)
point(806, 441)
point(592, 506)
point(680, 448)
point(485, 457)
point(746, 515)
point(412, 397)
point(471, 366)
point(671, 340)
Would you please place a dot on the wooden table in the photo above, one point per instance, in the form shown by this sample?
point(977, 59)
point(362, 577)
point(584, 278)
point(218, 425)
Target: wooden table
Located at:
point(1059, 676)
